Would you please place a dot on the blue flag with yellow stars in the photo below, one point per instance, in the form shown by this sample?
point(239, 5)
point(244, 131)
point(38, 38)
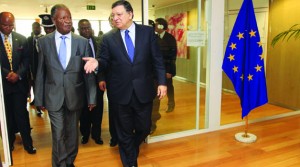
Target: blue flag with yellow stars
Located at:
point(244, 61)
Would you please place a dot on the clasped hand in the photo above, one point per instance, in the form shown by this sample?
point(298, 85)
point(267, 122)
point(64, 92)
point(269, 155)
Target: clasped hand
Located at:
point(12, 77)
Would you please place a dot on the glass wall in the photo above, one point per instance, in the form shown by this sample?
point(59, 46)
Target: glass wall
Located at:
point(189, 82)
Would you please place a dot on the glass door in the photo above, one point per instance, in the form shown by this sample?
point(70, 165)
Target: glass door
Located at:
point(182, 17)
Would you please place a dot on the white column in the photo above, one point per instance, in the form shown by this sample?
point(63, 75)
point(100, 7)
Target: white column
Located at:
point(145, 7)
point(214, 63)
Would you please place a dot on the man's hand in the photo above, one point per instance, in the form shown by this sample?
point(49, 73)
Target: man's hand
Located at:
point(12, 77)
point(161, 91)
point(102, 85)
point(91, 106)
point(168, 75)
point(90, 65)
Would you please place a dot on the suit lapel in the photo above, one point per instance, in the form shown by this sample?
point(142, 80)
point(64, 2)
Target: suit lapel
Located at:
point(74, 44)
point(53, 48)
point(3, 53)
point(138, 35)
point(15, 46)
point(118, 39)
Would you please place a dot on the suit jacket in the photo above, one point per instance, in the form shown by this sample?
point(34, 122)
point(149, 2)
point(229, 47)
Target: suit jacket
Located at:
point(54, 85)
point(168, 48)
point(33, 54)
point(124, 77)
point(20, 62)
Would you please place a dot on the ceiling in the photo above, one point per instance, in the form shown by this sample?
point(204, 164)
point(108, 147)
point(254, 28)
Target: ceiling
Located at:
point(30, 9)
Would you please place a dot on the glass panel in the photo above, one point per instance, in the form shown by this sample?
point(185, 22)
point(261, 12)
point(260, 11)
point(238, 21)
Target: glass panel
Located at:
point(105, 26)
point(231, 110)
point(181, 17)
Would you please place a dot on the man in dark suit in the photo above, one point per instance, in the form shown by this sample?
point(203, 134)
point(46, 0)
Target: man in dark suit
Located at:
point(168, 48)
point(62, 85)
point(33, 54)
point(131, 53)
point(14, 68)
point(90, 121)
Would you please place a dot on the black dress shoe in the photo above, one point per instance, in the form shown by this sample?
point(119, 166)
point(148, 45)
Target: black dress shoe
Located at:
point(30, 149)
point(98, 141)
point(84, 139)
point(113, 143)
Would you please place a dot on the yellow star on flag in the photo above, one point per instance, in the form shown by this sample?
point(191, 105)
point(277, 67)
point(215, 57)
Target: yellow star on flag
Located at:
point(258, 68)
point(252, 33)
point(235, 69)
point(250, 77)
point(230, 57)
point(240, 35)
point(242, 77)
point(259, 44)
point(233, 46)
point(261, 56)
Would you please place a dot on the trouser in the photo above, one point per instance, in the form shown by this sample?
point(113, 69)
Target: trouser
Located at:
point(64, 127)
point(133, 123)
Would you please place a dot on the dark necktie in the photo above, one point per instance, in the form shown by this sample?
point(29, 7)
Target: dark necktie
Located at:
point(63, 52)
point(91, 48)
point(129, 45)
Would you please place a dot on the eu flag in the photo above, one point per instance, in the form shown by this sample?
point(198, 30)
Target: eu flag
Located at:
point(244, 61)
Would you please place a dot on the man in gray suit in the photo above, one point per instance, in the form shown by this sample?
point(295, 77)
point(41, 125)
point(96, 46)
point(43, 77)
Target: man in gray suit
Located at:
point(62, 84)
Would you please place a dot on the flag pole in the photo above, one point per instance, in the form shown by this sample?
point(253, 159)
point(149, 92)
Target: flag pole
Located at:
point(245, 137)
point(246, 126)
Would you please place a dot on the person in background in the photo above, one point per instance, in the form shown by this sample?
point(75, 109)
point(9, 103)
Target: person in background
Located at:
point(73, 29)
point(62, 84)
point(33, 53)
point(90, 121)
point(47, 23)
point(155, 116)
point(14, 69)
point(102, 85)
point(100, 33)
point(131, 53)
point(168, 48)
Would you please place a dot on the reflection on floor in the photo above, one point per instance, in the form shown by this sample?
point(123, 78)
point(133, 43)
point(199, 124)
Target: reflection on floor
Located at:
point(184, 115)
point(182, 118)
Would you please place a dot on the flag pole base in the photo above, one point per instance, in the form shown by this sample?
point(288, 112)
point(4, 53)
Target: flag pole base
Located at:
point(242, 137)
